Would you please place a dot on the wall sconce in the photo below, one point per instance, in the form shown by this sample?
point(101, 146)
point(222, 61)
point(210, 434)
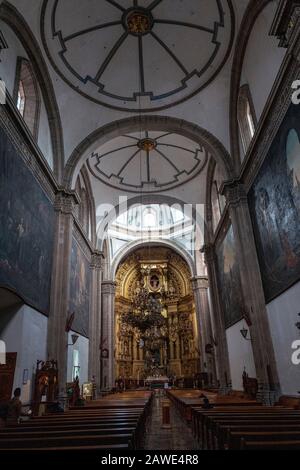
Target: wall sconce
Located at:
point(74, 339)
point(244, 333)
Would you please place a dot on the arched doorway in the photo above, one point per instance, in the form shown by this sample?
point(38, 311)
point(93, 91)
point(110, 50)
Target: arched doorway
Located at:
point(169, 346)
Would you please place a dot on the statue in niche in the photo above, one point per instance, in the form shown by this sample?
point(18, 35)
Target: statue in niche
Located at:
point(126, 348)
point(186, 345)
point(154, 282)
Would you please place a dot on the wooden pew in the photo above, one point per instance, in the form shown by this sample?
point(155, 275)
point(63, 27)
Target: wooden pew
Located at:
point(235, 438)
point(110, 423)
point(214, 425)
point(267, 445)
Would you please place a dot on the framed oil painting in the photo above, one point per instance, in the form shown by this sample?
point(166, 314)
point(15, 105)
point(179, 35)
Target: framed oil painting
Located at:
point(79, 290)
point(26, 230)
point(229, 279)
point(274, 202)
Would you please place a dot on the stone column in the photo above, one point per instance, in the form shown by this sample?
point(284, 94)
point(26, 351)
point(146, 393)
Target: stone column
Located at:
point(200, 289)
point(57, 340)
point(95, 318)
point(107, 333)
point(220, 346)
point(253, 293)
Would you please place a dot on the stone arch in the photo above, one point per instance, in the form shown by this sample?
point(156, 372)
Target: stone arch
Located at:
point(253, 10)
point(151, 123)
point(131, 247)
point(10, 15)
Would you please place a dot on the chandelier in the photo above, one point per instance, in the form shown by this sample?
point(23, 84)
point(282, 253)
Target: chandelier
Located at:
point(145, 313)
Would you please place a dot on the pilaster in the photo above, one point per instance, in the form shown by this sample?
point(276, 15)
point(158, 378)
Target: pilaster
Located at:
point(219, 341)
point(107, 333)
point(64, 206)
point(253, 293)
point(200, 289)
point(95, 318)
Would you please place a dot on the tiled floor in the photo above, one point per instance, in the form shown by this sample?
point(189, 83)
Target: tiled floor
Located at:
point(179, 437)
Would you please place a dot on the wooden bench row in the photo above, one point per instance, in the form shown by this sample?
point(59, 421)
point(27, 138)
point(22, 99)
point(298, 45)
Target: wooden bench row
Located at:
point(234, 428)
point(185, 400)
point(118, 426)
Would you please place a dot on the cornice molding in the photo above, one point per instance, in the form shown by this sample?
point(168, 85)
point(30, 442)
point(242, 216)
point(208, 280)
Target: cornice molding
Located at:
point(66, 201)
point(200, 283)
point(108, 287)
point(235, 192)
point(209, 252)
point(96, 259)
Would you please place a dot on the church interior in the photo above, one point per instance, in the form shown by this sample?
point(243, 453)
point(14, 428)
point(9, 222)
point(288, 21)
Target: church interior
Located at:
point(149, 225)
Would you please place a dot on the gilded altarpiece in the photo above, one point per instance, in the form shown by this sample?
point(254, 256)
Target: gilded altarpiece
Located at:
point(167, 277)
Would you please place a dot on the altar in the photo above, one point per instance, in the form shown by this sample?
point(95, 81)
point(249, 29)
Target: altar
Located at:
point(156, 381)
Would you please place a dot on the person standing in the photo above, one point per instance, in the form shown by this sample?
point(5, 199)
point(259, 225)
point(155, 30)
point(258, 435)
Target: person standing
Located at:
point(14, 409)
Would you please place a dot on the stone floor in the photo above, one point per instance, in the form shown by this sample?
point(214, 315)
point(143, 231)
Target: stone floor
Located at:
point(178, 437)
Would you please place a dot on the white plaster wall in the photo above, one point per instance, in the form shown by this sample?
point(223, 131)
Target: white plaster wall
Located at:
point(81, 345)
point(25, 332)
point(240, 355)
point(262, 59)
point(282, 315)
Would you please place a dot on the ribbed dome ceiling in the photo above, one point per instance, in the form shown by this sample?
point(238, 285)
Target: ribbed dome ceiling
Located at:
point(143, 54)
point(147, 161)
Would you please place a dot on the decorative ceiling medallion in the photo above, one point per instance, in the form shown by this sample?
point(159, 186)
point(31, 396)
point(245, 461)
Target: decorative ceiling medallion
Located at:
point(138, 21)
point(155, 162)
point(136, 58)
point(147, 144)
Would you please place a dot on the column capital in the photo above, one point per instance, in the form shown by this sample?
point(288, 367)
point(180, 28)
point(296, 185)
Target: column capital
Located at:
point(200, 282)
point(234, 192)
point(108, 287)
point(209, 252)
point(96, 259)
point(66, 201)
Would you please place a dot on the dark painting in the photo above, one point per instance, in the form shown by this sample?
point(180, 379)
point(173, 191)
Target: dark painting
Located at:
point(274, 202)
point(229, 280)
point(26, 230)
point(79, 290)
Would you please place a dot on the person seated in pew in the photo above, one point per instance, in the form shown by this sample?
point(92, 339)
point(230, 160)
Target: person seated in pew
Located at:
point(206, 403)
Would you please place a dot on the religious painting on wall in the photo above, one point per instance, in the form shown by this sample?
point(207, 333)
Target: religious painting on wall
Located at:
point(79, 290)
point(274, 202)
point(26, 230)
point(229, 279)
